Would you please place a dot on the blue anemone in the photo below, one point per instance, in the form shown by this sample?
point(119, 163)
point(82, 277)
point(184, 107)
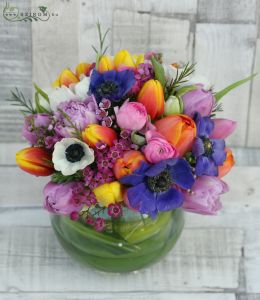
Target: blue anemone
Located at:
point(111, 85)
point(156, 187)
point(209, 153)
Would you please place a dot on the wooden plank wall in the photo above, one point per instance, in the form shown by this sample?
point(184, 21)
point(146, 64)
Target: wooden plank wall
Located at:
point(223, 37)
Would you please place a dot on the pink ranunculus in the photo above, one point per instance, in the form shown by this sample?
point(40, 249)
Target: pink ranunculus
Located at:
point(204, 196)
point(158, 148)
point(222, 128)
point(131, 116)
point(63, 198)
point(198, 100)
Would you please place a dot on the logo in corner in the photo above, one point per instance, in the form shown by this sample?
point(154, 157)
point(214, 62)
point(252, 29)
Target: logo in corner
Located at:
point(13, 14)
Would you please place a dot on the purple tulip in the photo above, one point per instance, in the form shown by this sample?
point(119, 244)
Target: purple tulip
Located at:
point(63, 198)
point(222, 128)
point(204, 196)
point(35, 127)
point(198, 100)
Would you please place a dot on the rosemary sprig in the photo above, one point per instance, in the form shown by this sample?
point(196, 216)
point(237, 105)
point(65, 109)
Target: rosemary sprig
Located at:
point(17, 99)
point(187, 71)
point(102, 50)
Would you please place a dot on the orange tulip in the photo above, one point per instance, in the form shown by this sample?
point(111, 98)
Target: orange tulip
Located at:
point(35, 161)
point(128, 163)
point(94, 134)
point(228, 164)
point(179, 130)
point(152, 97)
point(83, 68)
point(67, 77)
point(105, 64)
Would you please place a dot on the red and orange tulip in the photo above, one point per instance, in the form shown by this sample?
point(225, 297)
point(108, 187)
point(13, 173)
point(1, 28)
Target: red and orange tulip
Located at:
point(83, 68)
point(94, 133)
point(35, 161)
point(228, 164)
point(106, 64)
point(67, 77)
point(152, 97)
point(128, 163)
point(179, 130)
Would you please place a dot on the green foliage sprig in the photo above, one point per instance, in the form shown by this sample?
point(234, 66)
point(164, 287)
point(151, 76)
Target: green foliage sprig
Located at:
point(17, 99)
point(57, 177)
point(102, 50)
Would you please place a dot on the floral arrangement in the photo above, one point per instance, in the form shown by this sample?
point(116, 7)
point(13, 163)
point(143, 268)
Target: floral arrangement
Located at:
point(127, 132)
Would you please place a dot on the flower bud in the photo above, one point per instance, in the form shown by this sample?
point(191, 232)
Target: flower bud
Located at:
point(124, 58)
point(173, 105)
point(152, 97)
point(105, 64)
point(179, 130)
point(35, 161)
point(94, 133)
point(128, 163)
point(109, 193)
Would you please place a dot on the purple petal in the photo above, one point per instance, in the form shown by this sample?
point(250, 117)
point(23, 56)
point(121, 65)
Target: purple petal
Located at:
point(181, 174)
point(170, 200)
point(219, 154)
point(156, 169)
point(134, 195)
point(137, 177)
point(205, 166)
point(198, 147)
point(204, 125)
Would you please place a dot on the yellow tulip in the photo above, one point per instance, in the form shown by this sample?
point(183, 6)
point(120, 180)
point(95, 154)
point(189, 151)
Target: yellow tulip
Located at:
point(105, 64)
point(124, 58)
point(66, 78)
point(109, 193)
point(138, 59)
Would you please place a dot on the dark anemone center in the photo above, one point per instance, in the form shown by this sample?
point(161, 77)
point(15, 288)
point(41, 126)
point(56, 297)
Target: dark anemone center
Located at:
point(160, 183)
point(74, 153)
point(107, 88)
point(208, 146)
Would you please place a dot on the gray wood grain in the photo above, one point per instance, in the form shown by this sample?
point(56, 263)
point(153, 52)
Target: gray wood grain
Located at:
point(227, 11)
point(117, 296)
point(218, 51)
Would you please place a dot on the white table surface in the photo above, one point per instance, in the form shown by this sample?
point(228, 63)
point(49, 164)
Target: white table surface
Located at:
point(216, 258)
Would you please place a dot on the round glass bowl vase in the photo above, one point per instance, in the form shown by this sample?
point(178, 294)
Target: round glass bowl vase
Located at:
point(128, 243)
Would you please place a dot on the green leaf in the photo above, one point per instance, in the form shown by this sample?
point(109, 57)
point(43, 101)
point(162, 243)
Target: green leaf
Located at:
point(41, 92)
point(57, 177)
point(159, 71)
point(39, 107)
point(232, 86)
point(185, 89)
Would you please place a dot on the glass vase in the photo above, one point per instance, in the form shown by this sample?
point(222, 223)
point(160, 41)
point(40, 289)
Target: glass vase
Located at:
point(128, 243)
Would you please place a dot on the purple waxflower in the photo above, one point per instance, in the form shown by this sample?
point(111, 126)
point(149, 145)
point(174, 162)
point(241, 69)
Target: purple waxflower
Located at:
point(114, 210)
point(198, 100)
point(63, 198)
point(156, 188)
point(111, 85)
point(204, 196)
point(100, 224)
point(36, 127)
point(209, 153)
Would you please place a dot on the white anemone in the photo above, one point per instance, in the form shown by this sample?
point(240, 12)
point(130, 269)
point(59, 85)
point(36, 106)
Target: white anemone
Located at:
point(71, 155)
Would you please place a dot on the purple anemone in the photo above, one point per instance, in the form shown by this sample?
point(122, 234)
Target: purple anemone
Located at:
point(157, 187)
point(209, 153)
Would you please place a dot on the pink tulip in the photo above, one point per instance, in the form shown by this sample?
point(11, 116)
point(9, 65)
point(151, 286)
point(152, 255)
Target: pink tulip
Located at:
point(158, 148)
point(223, 128)
point(204, 196)
point(198, 100)
point(131, 116)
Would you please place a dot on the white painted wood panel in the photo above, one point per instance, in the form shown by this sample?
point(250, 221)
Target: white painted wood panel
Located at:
point(227, 11)
point(224, 54)
point(253, 139)
point(117, 296)
point(55, 43)
point(33, 260)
